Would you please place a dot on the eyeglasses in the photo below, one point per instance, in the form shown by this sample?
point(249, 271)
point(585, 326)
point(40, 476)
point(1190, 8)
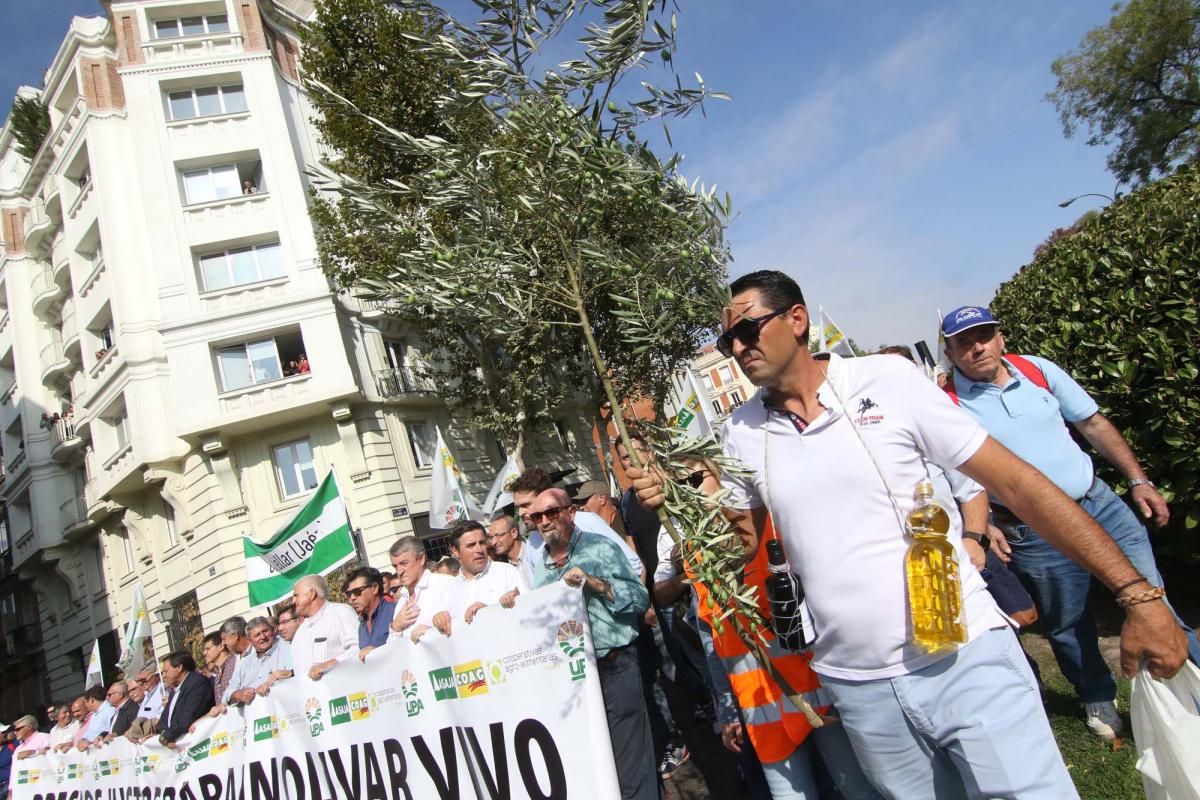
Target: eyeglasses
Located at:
point(550, 514)
point(695, 479)
point(746, 331)
point(287, 620)
point(356, 592)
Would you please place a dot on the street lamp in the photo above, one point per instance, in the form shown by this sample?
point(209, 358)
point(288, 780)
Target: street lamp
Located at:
point(1066, 203)
point(166, 615)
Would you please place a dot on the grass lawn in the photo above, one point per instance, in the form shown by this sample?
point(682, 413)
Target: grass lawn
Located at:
point(1099, 771)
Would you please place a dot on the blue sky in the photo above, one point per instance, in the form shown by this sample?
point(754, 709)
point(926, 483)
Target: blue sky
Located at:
point(895, 158)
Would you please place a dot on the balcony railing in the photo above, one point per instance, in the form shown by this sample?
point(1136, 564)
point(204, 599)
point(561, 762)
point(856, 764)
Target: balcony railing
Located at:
point(64, 430)
point(400, 381)
point(16, 462)
point(8, 393)
point(73, 513)
point(22, 640)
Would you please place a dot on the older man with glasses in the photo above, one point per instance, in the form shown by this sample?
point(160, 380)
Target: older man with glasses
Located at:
point(615, 598)
point(30, 741)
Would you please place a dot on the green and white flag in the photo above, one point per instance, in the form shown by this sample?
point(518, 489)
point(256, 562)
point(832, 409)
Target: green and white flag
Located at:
point(315, 542)
point(135, 633)
point(95, 672)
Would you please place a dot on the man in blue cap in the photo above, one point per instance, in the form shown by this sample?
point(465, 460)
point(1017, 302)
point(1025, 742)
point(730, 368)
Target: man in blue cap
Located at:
point(1027, 403)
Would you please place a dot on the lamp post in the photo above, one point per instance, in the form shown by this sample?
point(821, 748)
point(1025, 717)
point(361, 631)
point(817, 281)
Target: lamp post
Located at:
point(166, 615)
point(1116, 195)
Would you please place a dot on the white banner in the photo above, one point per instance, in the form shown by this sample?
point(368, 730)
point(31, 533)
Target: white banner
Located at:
point(507, 707)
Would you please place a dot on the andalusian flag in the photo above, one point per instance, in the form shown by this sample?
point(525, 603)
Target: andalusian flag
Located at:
point(449, 500)
point(134, 635)
point(833, 340)
point(315, 542)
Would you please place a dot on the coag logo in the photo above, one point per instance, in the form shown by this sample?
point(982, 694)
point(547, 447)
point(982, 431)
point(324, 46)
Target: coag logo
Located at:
point(351, 708)
point(218, 744)
point(312, 712)
point(265, 728)
point(570, 641)
point(460, 681)
point(412, 694)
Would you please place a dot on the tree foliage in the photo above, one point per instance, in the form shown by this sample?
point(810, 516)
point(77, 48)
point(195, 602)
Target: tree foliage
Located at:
point(30, 124)
point(1135, 83)
point(1115, 303)
point(555, 233)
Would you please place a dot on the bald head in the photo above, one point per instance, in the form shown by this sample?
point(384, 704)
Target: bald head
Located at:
point(554, 517)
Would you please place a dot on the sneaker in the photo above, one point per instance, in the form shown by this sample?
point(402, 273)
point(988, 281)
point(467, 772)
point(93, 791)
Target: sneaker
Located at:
point(1103, 719)
point(671, 761)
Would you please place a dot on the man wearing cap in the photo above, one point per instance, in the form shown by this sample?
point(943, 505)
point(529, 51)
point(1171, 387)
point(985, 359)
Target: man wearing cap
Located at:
point(593, 496)
point(1027, 403)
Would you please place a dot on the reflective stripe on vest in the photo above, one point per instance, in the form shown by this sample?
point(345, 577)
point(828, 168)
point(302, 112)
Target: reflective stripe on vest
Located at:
point(774, 712)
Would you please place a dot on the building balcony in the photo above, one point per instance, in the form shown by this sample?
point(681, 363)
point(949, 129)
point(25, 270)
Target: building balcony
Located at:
point(80, 208)
point(46, 292)
point(60, 268)
point(401, 381)
point(17, 463)
point(79, 391)
point(55, 364)
point(183, 48)
point(70, 332)
point(75, 520)
point(21, 641)
point(67, 442)
point(6, 333)
point(37, 225)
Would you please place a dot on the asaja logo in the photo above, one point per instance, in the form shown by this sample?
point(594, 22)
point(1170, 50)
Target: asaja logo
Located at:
point(28, 776)
point(265, 728)
point(351, 708)
point(312, 712)
point(570, 641)
point(412, 694)
point(459, 681)
point(199, 752)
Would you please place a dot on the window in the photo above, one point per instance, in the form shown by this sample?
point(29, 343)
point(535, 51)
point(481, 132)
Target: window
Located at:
point(121, 430)
point(262, 361)
point(127, 547)
point(211, 183)
point(727, 373)
point(105, 335)
point(735, 397)
point(294, 468)
point(708, 384)
point(716, 404)
point(241, 265)
point(172, 530)
point(191, 26)
point(422, 444)
point(208, 101)
point(396, 352)
point(4, 545)
point(565, 436)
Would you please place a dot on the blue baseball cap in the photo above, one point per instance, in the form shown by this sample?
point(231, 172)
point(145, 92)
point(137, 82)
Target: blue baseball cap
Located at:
point(960, 319)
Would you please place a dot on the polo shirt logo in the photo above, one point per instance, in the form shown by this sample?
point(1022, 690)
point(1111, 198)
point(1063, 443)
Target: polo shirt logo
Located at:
point(864, 418)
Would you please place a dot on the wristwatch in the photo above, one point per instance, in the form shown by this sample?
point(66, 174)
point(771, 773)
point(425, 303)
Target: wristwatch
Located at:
point(1141, 482)
point(981, 538)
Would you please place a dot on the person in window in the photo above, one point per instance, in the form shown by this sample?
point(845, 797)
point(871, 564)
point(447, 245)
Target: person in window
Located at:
point(290, 370)
point(302, 364)
point(248, 187)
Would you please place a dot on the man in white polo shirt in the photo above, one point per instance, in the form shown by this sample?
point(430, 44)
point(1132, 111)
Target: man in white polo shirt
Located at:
point(835, 448)
point(480, 582)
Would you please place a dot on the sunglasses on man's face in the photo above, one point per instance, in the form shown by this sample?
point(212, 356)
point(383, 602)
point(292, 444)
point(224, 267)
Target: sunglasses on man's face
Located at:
point(359, 590)
point(745, 331)
point(550, 514)
point(695, 479)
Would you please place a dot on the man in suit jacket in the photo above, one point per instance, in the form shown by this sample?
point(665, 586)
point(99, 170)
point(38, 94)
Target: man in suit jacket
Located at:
point(191, 696)
point(127, 712)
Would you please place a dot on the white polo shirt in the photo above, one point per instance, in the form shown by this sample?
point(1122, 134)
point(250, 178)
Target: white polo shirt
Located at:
point(432, 595)
point(843, 536)
point(496, 580)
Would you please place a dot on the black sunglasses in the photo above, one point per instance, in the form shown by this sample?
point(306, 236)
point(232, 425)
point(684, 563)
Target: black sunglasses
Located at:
point(695, 479)
point(549, 514)
point(745, 331)
point(359, 590)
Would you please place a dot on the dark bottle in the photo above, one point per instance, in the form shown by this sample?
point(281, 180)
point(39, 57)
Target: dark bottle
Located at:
point(784, 595)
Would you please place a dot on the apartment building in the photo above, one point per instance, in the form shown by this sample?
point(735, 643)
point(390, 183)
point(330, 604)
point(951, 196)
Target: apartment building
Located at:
point(176, 372)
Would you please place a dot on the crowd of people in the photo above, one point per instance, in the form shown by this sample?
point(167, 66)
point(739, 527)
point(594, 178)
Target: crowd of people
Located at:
point(834, 449)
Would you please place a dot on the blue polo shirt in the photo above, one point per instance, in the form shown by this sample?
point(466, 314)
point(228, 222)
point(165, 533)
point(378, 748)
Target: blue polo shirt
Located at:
point(1031, 421)
point(381, 622)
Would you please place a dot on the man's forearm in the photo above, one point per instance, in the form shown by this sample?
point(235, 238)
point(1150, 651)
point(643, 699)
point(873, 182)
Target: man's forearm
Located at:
point(1110, 444)
point(975, 513)
point(1057, 518)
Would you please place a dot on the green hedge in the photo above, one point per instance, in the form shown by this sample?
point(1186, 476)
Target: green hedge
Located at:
point(1115, 304)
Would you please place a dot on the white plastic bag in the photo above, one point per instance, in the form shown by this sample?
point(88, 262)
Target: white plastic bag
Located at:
point(1166, 726)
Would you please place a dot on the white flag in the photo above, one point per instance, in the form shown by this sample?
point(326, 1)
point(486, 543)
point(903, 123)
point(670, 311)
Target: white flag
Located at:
point(94, 676)
point(833, 339)
point(499, 497)
point(134, 635)
point(449, 501)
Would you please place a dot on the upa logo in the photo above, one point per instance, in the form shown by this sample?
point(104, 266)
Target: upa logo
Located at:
point(412, 694)
point(570, 641)
point(351, 708)
point(265, 728)
point(312, 712)
point(460, 681)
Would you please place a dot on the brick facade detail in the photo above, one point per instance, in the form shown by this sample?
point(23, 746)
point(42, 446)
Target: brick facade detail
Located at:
point(13, 229)
point(102, 86)
point(129, 48)
point(250, 23)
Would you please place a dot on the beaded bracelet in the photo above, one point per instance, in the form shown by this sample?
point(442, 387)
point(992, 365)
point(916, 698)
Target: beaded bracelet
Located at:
point(1144, 596)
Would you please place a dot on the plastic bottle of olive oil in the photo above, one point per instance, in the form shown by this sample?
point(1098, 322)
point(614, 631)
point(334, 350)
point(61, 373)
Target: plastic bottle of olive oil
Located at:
point(935, 603)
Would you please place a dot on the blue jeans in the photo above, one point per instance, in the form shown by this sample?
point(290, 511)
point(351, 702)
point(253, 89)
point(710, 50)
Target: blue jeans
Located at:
point(969, 725)
point(1060, 590)
point(792, 778)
